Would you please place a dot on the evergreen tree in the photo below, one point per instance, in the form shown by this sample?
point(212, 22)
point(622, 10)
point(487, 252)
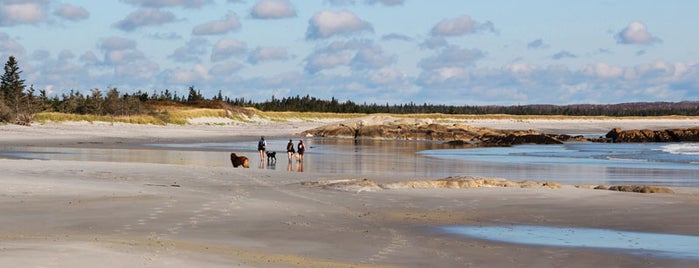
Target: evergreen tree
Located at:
point(12, 87)
point(194, 95)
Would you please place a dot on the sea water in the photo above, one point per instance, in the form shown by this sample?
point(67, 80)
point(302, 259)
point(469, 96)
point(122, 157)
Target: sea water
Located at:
point(672, 164)
point(662, 245)
point(669, 164)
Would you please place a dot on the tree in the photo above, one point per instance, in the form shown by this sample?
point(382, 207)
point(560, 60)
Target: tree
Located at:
point(194, 95)
point(12, 87)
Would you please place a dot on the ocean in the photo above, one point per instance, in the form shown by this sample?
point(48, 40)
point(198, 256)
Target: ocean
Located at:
point(668, 164)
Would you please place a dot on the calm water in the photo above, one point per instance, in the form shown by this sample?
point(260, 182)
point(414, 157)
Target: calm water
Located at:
point(672, 164)
point(675, 164)
point(663, 245)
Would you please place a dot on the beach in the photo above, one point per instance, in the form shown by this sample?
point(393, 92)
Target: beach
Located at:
point(59, 213)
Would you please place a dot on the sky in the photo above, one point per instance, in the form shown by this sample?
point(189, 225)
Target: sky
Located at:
point(451, 52)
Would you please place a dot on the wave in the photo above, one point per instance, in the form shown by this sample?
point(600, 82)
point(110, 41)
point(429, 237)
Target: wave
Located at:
point(681, 148)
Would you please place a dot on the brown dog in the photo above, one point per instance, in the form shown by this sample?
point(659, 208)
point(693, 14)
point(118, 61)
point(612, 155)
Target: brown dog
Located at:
point(239, 161)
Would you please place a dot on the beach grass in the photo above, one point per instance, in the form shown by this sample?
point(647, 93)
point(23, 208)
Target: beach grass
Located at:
point(64, 117)
point(181, 115)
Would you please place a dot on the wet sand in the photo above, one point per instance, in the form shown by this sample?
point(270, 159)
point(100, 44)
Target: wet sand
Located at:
point(110, 214)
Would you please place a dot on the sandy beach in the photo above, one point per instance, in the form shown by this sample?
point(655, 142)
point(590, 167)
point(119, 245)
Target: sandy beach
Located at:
point(110, 214)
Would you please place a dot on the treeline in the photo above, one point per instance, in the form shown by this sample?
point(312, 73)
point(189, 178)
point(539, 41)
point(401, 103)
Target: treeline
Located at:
point(18, 104)
point(311, 104)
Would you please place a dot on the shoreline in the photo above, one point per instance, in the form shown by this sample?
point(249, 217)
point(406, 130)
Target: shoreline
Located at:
point(208, 130)
point(113, 214)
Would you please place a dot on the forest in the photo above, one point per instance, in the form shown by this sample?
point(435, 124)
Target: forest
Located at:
point(19, 103)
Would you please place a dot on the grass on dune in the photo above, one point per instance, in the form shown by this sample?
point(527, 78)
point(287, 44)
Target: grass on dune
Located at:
point(182, 115)
point(63, 117)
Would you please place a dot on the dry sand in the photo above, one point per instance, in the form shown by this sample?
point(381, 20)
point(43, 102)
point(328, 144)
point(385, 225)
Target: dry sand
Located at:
point(106, 214)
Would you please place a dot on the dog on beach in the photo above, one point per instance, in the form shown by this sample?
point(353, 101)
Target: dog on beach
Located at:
point(239, 161)
point(272, 156)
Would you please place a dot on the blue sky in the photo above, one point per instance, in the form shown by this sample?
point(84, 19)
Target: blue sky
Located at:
point(452, 52)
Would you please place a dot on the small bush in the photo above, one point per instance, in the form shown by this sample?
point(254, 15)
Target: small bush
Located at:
point(6, 114)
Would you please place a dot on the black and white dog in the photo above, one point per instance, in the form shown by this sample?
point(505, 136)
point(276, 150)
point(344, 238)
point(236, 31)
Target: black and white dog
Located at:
point(271, 156)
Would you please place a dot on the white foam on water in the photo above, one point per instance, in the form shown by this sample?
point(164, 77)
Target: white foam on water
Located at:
point(681, 148)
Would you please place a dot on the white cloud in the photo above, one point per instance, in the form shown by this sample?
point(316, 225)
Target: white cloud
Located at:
point(273, 9)
point(21, 13)
point(319, 61)
point(71, 12)
point(396, 36)
point(268, 54)
point(371, 58)
point(191, 52)
point(169, 3)
point(388, 76)
point(137, 70)
point(538, 43)
point(120, 51)
point(340, 2)
point(435, 42)
point(563, 54)
point(359, 54)
point(197, 75)
point(325, 24)
point(230, 23)
point(225, 69)
point(460, 26)
point(9, 47)
point(386, 2)
point(89, 58)
point(65, 55)
point(227, 48)
point(603, 71)
point(144, 17)
point(636, 33)
point(117, 43)
point(368, 2)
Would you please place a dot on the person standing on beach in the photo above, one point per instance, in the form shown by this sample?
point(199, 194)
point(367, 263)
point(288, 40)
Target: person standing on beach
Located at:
point(301, 150)
point(290, 150)
point(261, 147)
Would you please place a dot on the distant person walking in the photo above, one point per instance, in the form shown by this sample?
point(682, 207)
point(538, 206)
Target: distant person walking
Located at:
point(301, 150)
point(290, 150)
point(261, 147)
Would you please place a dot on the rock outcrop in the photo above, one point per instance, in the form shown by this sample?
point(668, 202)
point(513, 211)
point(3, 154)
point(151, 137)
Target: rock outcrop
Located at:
point(647, 135)
point(392, 128)
point(384, 127)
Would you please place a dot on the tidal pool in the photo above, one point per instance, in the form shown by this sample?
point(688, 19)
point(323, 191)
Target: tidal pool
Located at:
point(658, 244)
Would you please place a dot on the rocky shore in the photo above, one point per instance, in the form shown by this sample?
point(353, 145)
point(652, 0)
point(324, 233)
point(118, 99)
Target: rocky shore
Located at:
point(467, 135)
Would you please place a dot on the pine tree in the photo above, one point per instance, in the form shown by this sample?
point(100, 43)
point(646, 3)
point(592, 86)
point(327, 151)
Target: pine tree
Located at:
point(12, 87)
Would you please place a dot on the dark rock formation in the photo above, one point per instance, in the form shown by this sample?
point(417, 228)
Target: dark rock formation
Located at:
point(455, 135)
point(391, 128)
point(647, 135)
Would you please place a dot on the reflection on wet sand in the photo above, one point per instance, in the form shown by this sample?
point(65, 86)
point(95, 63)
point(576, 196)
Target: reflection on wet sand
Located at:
point(290, 166)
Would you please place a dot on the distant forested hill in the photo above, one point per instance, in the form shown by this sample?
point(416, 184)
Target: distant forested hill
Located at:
point(311, 104)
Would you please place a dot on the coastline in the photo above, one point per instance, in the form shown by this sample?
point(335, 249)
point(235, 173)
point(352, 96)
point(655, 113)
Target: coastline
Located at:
point(71, 213)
